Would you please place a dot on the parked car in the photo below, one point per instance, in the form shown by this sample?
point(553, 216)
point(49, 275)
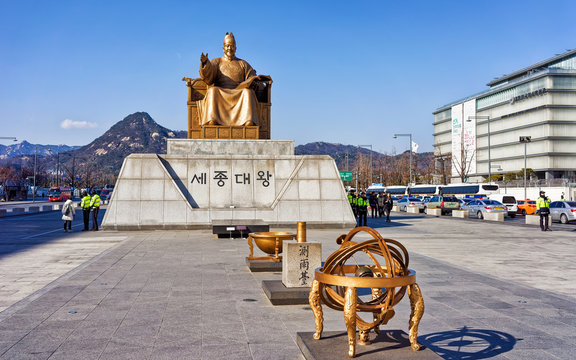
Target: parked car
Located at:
point(526, 207)
point(479, 208)
point(563, 211)
point(446, 203)
point(509, 201)
point(412, 201)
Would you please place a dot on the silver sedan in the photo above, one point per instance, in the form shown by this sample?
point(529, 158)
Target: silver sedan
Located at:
point(563, 211)
point(479, 208)
point(413, 201)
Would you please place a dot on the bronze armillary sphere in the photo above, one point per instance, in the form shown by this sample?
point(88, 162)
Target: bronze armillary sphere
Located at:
point(336, 283)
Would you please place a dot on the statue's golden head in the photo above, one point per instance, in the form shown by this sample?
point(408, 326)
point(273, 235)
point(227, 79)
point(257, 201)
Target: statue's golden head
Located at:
point(229, 46)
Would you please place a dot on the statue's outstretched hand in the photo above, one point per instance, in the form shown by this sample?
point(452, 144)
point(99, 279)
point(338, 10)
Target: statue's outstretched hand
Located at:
point(204, 58)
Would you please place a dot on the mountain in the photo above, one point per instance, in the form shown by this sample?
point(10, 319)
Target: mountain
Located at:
point(346, 155)
point(25, 148)
point(136, 133)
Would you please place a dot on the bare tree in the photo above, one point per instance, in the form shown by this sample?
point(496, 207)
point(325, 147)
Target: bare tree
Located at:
point(463, 163)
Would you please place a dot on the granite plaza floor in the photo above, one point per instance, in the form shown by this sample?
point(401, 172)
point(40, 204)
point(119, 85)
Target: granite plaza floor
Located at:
point(490, 290)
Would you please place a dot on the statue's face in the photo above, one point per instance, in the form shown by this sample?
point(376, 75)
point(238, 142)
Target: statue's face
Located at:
point(229, 48)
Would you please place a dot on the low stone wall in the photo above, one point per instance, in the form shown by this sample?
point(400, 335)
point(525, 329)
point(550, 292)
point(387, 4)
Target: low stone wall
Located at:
point(434, 212)
point(33, 209)
point(46, 208)
point(494, 216)
point(532, 219)
point(463, 214)
point(2, 212)
point(413, 209)
point(18, 211)
point(396, 208)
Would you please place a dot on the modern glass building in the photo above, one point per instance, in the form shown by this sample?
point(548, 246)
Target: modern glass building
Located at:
point(538, 102)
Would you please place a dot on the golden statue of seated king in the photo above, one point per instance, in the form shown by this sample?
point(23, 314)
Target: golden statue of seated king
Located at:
point(227, 96)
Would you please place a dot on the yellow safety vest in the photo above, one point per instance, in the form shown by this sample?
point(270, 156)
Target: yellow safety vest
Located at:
point(541, 202)
point(85, 203)
point(95, 202)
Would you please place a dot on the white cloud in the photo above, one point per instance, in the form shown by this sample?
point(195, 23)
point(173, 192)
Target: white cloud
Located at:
point(69, 124)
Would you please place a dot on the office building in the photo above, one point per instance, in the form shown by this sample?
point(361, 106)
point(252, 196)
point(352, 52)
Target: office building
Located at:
point(537, 104)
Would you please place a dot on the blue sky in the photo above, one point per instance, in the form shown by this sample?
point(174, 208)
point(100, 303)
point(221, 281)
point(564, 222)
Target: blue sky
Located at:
point(344, 72)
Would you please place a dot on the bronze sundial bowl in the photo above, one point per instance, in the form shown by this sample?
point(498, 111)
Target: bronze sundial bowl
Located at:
point(270, 243)
point(336, 283)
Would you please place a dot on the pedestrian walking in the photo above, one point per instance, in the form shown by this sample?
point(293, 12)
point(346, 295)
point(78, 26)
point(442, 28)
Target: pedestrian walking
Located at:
point(362, 209)
point(381, 202)
point(68, 213)
point(85, 205)
point(373, 200)
point(543, 208)
point(388, 206)
point(95, 205)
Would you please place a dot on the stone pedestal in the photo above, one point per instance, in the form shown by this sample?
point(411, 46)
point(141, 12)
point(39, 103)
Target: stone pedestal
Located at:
point(299, 260)
point(389, 344)
point(199, 181)
point(434, 212)
point(463, 214)
point(264, 265)
point(494, 216)
point(395, 208)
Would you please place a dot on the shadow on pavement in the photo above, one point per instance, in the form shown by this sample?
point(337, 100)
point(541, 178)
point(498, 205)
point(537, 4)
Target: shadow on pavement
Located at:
point(395, 221)
point(468, 343)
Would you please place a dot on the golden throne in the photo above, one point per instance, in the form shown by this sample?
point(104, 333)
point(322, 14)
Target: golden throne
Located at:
point(196, 91)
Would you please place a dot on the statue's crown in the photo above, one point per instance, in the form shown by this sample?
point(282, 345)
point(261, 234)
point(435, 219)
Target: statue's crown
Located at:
point(231, 37)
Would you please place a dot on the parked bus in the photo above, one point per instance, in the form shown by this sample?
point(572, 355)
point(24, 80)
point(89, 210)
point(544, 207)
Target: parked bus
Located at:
point(377, 188)
point(398, 190)
point(469, 190)
point(59, 193)
point(423, 189)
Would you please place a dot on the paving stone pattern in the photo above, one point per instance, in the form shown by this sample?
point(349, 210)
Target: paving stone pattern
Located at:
point(186, 295)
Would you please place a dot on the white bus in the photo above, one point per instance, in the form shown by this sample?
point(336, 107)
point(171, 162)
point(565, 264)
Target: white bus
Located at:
point(468, 190)
point(423, 189)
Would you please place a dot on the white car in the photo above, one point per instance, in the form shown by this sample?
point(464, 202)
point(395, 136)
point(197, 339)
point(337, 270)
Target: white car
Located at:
point(509, 201)
point(479, 208)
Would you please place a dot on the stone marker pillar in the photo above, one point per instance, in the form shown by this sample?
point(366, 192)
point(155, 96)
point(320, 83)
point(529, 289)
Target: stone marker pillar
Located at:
point(299, 261)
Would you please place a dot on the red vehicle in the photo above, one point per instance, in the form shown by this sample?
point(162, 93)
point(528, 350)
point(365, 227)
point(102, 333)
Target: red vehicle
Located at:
point(59, 193)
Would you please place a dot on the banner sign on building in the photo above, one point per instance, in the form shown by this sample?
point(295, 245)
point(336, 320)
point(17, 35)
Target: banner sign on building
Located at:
point(464, 139)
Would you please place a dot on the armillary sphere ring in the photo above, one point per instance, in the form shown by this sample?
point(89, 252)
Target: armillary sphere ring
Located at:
point(335, 284)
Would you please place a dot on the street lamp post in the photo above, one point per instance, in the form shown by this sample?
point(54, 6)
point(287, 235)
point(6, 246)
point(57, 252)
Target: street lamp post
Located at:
point(410, 136)
point(35, 158)
point(369, 146)
point(525, 140)
point(485, 117)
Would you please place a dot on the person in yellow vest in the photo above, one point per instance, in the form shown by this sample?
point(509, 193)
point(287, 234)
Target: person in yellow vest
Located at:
point(85, 205)
point(543, 208)
point(95, 205)
point(362, 209)
point(352, 201)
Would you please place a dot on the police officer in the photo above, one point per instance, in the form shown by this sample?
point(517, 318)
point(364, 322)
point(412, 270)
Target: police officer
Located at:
point(352, 201)
point(85, 205)
point(362, 203)
point(95, 205)
point(543, 208)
